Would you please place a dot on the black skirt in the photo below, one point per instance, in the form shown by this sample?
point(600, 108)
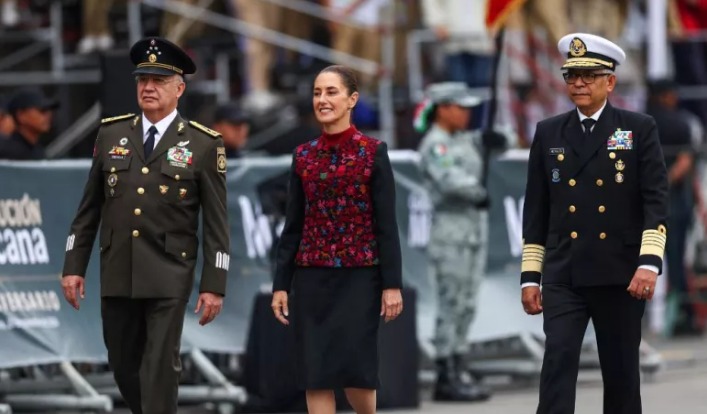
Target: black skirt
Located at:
point(336, 315)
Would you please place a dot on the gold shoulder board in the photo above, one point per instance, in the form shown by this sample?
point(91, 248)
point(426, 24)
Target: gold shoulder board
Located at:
point(208, 131)
point(116, 118)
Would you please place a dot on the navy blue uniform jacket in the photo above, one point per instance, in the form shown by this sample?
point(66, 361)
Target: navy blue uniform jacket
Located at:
point(595, 209)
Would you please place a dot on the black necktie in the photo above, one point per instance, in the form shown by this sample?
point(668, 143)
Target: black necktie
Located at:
point(150, 141)
point(588, 124)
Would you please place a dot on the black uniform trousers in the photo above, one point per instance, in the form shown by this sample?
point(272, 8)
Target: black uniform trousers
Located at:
point(616, 316)
point(143, 338)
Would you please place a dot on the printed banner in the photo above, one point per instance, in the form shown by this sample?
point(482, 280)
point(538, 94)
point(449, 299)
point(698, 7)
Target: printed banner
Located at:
point(38, 200)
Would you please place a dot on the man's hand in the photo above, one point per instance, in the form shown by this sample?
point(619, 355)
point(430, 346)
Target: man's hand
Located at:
point(71, 284)
point(642, 285)
point(532, 300)
point(212, 304)
point(279, 306)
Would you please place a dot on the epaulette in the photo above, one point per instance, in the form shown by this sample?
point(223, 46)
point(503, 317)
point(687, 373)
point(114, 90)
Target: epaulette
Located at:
point(116, 118)
point(208, 131)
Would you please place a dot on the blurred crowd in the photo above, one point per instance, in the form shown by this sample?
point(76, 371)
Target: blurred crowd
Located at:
point(268, 77)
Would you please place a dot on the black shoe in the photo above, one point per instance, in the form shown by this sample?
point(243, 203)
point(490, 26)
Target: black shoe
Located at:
point(450, 388)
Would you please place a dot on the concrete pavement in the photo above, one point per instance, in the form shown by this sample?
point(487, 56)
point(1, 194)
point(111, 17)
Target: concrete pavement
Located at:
point(679, 387)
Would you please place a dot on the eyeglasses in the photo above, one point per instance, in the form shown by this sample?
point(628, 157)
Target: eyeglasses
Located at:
point(587, 77)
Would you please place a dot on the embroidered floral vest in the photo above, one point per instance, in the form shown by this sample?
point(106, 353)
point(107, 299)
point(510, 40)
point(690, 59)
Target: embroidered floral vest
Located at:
point(338, 218)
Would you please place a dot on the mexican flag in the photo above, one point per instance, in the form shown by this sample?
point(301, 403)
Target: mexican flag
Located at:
point(497, 11)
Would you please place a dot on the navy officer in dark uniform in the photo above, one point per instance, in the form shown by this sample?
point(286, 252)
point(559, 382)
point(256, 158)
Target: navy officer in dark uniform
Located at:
point(594, 230)
point(152, 175)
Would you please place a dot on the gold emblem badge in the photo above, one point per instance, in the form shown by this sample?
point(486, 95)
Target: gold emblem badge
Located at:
point(620, 165)
point(152, 58)
point(182, 193)
point(180, 128)
point(221, 163)
point(619, 178)
point(577, 47)
point(163, 189)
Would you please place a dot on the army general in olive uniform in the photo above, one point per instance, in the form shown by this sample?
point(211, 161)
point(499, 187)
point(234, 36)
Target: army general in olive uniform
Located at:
point(151, 175)
point(594, 229)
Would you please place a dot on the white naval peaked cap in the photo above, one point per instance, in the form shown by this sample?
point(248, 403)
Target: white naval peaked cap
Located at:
point(588, 51)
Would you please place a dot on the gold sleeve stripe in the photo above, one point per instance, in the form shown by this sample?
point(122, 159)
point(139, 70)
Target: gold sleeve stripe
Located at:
point(533, 257)
point(653, 242)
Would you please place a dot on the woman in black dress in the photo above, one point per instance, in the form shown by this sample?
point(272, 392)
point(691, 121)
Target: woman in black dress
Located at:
point(339, 252)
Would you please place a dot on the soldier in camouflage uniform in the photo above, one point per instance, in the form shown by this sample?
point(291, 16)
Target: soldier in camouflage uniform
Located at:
point(451, 164)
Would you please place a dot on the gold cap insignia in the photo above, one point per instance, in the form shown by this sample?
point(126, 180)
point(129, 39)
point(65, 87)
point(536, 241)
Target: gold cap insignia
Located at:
point(577, 47)
point(152, 58)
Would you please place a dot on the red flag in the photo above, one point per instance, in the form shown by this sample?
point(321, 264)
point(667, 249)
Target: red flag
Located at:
point(497, 12)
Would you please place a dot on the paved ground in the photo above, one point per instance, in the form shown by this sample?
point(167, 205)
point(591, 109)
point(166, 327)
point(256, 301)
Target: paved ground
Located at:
point(679, 387)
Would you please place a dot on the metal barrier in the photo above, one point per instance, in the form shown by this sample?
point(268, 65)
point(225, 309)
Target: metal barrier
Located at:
point(43, 39)
point(23, 395)
point(96, 392)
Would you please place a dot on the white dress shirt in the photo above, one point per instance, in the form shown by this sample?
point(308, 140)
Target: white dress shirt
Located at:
point(595, 116)
point(160, 125)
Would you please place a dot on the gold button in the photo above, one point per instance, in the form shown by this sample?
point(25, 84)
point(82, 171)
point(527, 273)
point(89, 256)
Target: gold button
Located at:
point(136, 233)
point(602, 235)
point(184, 254)
point(112, 169)
point(612, 155)
point(573, 209)
point(138, 211)
point(176, 177)
point(560, 157)
point(602, 209)
point(141, 190)
point(573, 235)
point(572, 182)
point(145, 170)
point(600, 182)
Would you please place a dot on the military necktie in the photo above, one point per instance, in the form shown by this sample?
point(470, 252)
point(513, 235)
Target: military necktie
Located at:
point(588, 124)
point(150, 141)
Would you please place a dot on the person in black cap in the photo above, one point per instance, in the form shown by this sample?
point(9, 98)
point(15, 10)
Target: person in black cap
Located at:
point(232, 123)
point(594, 230)
point(32, 112)
point(151, 176)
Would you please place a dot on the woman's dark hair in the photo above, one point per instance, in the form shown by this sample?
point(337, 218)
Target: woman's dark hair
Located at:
point(347, 75)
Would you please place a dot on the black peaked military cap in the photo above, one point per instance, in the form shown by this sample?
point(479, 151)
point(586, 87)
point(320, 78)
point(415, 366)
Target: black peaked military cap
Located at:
point(157, 56)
